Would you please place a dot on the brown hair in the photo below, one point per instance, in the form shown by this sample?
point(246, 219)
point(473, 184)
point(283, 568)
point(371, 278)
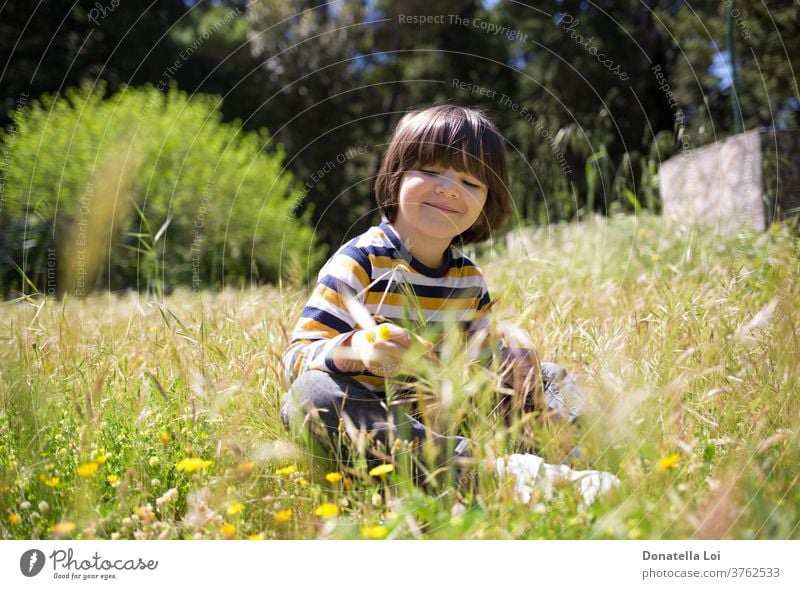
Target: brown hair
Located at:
point(455, 137)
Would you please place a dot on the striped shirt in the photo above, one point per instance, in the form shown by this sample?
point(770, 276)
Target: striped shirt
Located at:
point(379, 272)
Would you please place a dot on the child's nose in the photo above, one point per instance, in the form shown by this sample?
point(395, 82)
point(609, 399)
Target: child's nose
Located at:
point(446, 185)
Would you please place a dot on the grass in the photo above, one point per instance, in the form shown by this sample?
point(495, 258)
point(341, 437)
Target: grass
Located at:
point(124, 417)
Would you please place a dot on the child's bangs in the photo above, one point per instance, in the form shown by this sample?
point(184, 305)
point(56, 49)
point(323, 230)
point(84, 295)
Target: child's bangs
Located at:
point(452, 143)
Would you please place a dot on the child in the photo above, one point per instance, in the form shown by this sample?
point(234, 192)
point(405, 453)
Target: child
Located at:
point(443, 183)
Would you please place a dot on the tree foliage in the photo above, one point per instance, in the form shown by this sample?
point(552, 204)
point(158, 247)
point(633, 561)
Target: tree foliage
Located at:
point(144, 189)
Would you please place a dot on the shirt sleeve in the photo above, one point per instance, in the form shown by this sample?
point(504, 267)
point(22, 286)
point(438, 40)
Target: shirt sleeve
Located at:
point(325, 320)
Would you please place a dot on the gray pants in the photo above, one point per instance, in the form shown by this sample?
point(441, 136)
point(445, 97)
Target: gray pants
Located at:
point(322, 401)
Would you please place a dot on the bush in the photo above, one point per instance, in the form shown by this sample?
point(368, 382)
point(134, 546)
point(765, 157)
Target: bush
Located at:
point(143, 189)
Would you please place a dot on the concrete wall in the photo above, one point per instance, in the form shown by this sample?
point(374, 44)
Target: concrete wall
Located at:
point(719, 185)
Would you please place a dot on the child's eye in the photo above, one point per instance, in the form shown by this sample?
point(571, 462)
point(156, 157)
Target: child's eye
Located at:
point(471, 184)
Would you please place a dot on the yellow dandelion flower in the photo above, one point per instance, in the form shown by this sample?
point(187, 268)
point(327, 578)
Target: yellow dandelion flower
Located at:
point(287, 470)
point(14, 519)
point(370, 337)
point(113, 479)
point(384, 332)
point(101, 459)
point(228, 530)
point(63, 529)
point(655, 257)
point(256, 536)
point(381, 470)
point(234, 508)
point(302, 482)
point(192, 464)
point(333, 477)
point(283, 516)
point(88, 470)
point(374, 532)
point(51, 482)
point(327, 511)
point(245, 468)
point(668, 461)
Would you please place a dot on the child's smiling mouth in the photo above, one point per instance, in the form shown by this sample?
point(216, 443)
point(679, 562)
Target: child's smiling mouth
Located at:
point(440, 207)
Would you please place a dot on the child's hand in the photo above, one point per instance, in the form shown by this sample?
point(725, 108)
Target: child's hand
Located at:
point(381, 348)
point(522, 372)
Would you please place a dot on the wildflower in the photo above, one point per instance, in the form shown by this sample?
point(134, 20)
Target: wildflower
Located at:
point(63, 529)
point(377, 499)
point(87, 470)
point(51, 482)
point(228, 530)
point(192, 464)
point(381, 470)
point(14, 519)
point(245, 468)
point(374, 532)
point(164, 438)
point(655, 257)
point(384, 332)
point(256, 537)
point(234, 508)
point(333, 477)
point(370, 337)
point(170, 495)
point(25, 505)
point(101, 459)
point(668, 461)
point(287, 470)
point(153, 461)
point(113, 480)
point(44, 506)
point(327, 511)
point(283, 516)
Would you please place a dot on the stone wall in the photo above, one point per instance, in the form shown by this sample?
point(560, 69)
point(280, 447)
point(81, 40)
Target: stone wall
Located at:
point(748, 179)
point(718, 185)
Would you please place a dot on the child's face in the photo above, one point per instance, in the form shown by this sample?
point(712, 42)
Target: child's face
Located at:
point(439, 203)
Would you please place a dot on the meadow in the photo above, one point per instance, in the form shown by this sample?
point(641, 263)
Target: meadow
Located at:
point(127, 416)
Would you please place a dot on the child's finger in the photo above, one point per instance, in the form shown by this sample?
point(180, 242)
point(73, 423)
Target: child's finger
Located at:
point(387, 332)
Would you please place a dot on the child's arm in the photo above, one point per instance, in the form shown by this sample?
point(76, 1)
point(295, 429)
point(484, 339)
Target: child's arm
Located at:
point(327, 336)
